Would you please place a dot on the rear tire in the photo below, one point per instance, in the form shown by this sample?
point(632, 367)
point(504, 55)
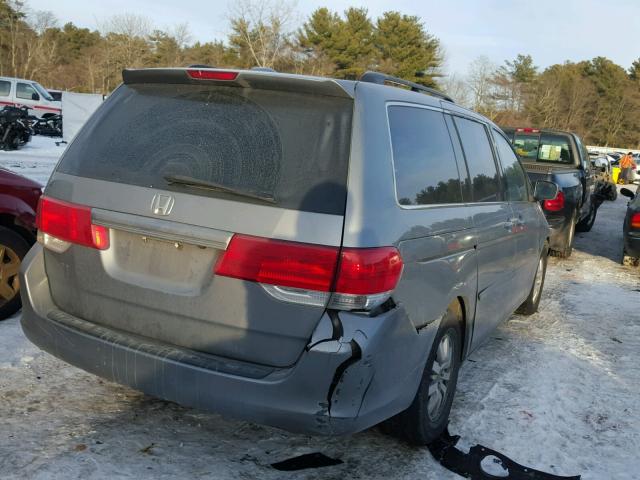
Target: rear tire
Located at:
point(530, 305)
point(13, 248)
point(428, 415)
point(586, 224)
point(630, 261)
point(567, 249)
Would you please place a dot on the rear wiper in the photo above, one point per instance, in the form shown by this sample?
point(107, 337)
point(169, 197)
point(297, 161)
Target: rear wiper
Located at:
point(197, 183)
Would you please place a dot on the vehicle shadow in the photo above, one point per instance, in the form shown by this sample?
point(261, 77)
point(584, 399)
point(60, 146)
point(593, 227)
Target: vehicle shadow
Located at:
point(605, 238)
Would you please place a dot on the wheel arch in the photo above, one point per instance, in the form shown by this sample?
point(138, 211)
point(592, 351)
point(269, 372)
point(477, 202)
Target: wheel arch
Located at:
point(12, 223)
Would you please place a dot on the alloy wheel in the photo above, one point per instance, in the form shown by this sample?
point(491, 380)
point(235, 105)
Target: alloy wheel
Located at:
point(537, 284)
point(9, 279)
point(440, 377)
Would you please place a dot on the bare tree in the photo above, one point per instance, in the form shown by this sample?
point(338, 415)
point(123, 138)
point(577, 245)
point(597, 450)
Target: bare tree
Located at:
point(479, 79)
point(181, 34)
point(457, 89)
point(261, 29)
point(39, 48)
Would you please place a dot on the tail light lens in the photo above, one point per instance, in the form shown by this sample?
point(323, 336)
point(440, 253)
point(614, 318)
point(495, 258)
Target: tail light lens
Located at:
point(61, 224)
point(211, 74)
point(556, 204)
point(635, 220)
point(347, 279)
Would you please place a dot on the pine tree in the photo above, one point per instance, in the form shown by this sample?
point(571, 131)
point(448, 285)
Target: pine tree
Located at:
point(406, 50)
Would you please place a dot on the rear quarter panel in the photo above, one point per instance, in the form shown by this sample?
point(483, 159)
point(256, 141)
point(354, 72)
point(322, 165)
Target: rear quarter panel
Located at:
point(436, 243)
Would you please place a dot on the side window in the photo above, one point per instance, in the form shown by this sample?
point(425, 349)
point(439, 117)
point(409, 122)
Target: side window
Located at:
point(425, 166)
point(5, 88)
point(586, 164)
point(515, 179)
point(485, 180)
point(24, 90)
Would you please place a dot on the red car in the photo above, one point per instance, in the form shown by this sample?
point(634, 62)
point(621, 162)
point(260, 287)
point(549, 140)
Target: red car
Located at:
point(18, 202)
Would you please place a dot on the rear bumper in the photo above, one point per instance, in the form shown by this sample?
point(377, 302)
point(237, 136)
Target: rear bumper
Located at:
point(632, 244)
point(559, 227)
point(338, 386)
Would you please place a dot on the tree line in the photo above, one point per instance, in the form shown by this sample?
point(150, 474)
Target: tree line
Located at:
point(596, 98)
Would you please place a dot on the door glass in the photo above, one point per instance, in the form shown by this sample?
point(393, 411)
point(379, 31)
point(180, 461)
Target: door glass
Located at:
point(514, 177)
point(425, 165)
point(479, 155)
point(24, 90)
point(5, 88)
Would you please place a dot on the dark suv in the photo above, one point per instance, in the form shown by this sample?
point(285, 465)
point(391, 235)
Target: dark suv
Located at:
point(310, 253)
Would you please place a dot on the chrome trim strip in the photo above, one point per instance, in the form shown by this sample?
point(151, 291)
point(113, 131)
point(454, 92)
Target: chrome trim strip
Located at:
point(162, 229)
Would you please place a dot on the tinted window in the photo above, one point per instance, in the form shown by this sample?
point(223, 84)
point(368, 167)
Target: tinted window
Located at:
point(5, 88)
point(289, 146)
point(425, 165)
point(515, 179)
point(24, 90)
point(482, 168)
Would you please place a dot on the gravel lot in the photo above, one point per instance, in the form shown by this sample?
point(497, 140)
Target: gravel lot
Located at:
point(557, 391)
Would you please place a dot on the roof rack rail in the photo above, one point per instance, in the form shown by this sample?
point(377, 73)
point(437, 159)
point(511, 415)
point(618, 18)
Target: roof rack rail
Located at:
point(384, 79)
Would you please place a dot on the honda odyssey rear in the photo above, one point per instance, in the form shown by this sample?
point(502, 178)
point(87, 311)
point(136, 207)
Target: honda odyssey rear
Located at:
point(233, 241)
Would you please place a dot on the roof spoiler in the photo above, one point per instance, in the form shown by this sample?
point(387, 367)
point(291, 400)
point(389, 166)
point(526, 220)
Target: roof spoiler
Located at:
point(384, 79)
point(237, 78)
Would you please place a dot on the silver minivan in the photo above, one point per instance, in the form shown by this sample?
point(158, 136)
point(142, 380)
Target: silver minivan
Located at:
point(314, 254)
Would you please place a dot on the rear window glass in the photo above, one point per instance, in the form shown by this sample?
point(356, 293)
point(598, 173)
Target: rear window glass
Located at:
point(425, 165)
point(526, 146)
point(545, 147)
point(291, 147)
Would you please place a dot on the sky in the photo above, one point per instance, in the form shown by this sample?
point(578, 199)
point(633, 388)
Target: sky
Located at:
point(552, 31)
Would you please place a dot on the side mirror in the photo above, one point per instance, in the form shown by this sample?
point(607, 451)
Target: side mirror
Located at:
point(35, 96)
point(544, 190)
point(627, 193)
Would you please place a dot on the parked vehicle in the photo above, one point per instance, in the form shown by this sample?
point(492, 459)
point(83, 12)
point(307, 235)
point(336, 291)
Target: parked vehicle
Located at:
point(49, 125)
point(18, 200)
point(18, 92)
point(562, 158)
point(55, 94)
point(242, 270)
point(631, 229)
point(605, 186)
point(15, 129)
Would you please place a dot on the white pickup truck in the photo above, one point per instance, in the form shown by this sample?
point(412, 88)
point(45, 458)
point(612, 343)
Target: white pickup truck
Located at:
point(19, 92)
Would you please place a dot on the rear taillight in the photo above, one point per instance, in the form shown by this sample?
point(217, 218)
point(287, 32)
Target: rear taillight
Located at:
point(211, 74)
point(348, 278)
point(635, 220)
point(556, 204)
point(61, 224)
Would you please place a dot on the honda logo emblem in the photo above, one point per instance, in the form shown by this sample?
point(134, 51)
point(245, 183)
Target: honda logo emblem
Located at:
point(162, 204)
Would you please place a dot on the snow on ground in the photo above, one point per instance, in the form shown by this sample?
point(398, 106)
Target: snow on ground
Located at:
point(35, 160)
point(557, 391)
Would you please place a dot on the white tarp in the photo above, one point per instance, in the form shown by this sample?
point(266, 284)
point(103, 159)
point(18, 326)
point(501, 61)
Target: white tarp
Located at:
point(76, 109)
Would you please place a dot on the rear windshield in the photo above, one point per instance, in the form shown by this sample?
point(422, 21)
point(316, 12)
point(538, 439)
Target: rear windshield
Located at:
point(291, 147)
point(543, 147)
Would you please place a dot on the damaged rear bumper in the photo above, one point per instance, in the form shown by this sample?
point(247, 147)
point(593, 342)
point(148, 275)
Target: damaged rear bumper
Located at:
point(356, 371)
